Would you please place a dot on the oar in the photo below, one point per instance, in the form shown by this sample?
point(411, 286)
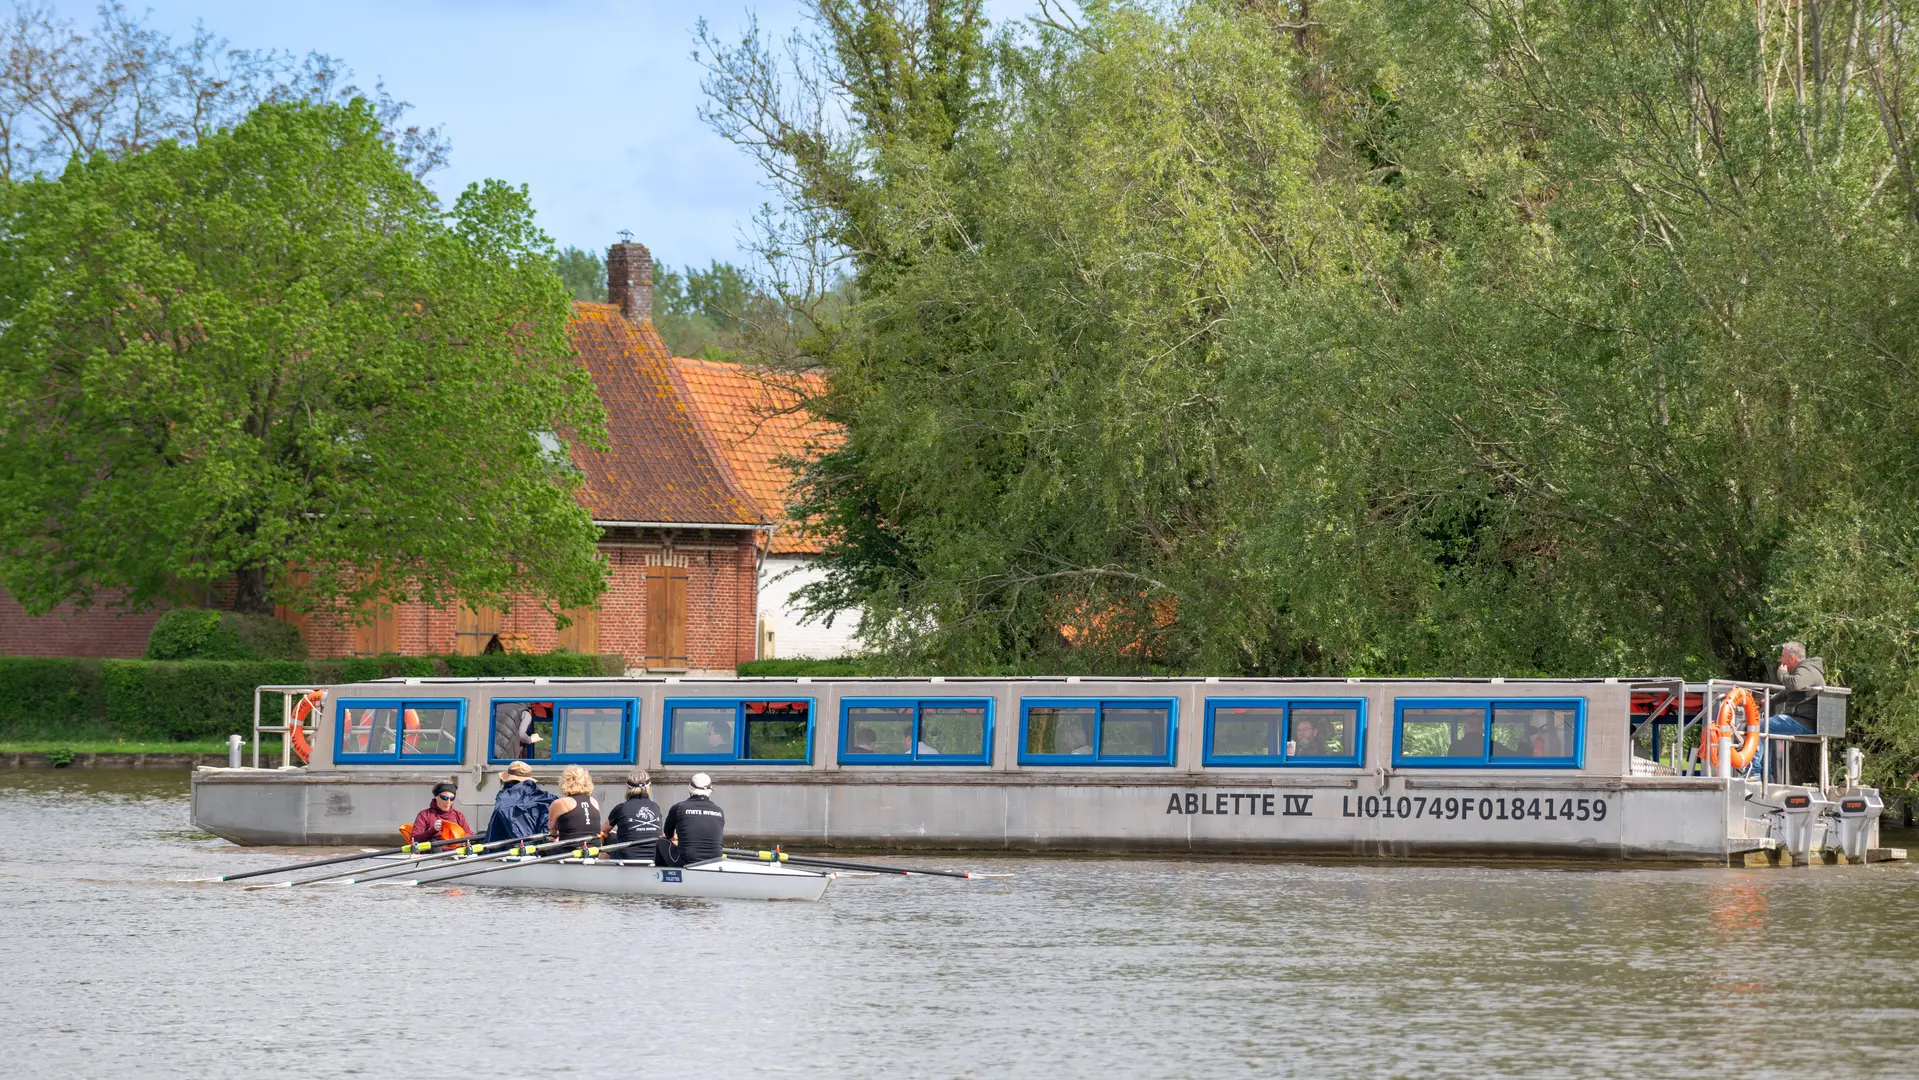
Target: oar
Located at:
point(334, 860)
point(529, 862)
point(522, 846)
point(458, 847)
point(838, 864)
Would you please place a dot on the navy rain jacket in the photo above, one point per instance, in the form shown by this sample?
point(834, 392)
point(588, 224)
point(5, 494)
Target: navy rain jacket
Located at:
point(519, 811)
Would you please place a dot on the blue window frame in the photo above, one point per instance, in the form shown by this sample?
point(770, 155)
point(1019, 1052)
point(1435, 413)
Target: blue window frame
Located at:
point(738, 731)
point(1097, 731)
point(916, 731)
point(1285, 731)
point(399, 731)
point(565, 731)
point(1485, 733)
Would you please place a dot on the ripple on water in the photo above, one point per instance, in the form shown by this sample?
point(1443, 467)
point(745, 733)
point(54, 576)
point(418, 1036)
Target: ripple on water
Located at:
point(1063, 968)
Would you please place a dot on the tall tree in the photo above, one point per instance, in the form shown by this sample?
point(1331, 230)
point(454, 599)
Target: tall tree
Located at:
point(274, 351)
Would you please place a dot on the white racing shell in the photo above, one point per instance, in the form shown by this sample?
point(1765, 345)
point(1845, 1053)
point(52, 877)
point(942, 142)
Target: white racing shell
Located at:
point(722, 879)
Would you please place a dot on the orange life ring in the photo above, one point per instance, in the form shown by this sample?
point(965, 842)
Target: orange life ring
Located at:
point(1738, 698)
point(410, 723)
point(296, 727)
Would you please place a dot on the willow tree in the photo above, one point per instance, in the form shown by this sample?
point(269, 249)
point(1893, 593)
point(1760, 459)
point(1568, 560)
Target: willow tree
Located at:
point(272, 351)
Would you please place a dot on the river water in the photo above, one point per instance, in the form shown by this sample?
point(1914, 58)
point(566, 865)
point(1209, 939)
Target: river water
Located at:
point(116, 966)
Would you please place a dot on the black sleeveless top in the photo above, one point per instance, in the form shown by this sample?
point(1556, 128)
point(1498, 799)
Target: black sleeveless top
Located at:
point(582, 822)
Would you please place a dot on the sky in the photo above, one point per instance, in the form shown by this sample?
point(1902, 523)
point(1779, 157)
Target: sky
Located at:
point(590, 103)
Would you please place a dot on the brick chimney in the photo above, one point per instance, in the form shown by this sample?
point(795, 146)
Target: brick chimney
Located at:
point(629, 280)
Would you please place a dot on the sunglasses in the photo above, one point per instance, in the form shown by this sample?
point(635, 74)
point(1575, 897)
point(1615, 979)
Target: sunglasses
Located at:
point(447, 795)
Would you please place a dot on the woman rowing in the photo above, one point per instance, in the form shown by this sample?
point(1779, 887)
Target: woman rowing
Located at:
point(575, 815)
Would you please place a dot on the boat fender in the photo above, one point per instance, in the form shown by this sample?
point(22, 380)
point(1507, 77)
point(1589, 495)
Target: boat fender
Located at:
point(1737, 699)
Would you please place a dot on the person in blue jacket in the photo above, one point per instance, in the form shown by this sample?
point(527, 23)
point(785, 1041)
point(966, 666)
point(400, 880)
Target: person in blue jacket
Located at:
point(519, 810)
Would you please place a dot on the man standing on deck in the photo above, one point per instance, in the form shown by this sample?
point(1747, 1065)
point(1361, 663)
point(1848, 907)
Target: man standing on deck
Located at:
point(695, 827)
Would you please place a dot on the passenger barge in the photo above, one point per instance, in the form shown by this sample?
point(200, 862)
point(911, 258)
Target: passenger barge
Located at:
point(1583, 768)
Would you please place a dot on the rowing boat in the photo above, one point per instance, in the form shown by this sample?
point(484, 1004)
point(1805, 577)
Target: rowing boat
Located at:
point(721, 879)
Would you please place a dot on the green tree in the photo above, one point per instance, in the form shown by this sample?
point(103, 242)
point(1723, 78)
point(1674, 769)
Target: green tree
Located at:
point(274, 351)
point(583, 273)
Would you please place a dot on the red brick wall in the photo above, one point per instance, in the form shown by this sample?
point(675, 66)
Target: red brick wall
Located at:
point(93, 632)
point(720, 595)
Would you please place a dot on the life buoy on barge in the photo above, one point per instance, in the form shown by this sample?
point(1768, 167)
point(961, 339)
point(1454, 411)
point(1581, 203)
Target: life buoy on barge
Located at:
point(1738, 699)
point(308, 704)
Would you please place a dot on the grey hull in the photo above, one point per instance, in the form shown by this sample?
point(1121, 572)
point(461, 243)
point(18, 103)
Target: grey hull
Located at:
point(1571, 818)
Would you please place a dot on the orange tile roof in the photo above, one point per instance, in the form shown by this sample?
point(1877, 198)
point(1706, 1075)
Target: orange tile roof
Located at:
point(659, 466)
point(755, 418)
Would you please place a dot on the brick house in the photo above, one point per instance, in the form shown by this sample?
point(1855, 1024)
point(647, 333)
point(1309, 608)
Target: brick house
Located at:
point(689, 497)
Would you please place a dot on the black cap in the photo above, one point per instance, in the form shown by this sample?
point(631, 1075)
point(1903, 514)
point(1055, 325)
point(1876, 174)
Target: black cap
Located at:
point(445, 788)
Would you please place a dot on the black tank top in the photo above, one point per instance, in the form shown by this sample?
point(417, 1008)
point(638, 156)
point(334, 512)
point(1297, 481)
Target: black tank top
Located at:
point(581, 822)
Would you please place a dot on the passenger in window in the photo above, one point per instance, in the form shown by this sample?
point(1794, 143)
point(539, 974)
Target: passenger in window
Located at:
point(1308, 740)
point(519, 810)
point(635, 822)
point(1472, 739)
point(440, 820)
point(513, 733)
point(864, 741)
point(575, 815)
point(695, 827)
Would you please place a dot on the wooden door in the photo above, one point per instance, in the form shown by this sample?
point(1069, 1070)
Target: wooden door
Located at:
point(379, 634)
point(473, 629)
point(584, 635)
point(666, 617)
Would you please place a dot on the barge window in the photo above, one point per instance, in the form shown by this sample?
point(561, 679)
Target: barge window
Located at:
point(736, 732)
point(400, 732)
point(577, 731)
point(1097, 732)
point(1267, 732)
point(1456, 733)
point(906, 731)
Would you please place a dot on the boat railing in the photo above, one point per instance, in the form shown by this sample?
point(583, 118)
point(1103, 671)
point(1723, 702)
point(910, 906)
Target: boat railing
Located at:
point(289, 694)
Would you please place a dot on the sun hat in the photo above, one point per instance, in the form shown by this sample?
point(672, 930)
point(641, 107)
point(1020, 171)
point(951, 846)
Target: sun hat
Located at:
point(702, 784)
point(519, 770)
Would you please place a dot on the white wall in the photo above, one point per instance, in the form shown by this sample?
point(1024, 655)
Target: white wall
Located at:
point(780, 577)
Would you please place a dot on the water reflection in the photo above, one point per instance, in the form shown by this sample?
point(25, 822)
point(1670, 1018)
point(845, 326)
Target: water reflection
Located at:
point(1066, 968)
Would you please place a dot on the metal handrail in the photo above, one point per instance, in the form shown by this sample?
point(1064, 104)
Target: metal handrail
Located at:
point(289, 693)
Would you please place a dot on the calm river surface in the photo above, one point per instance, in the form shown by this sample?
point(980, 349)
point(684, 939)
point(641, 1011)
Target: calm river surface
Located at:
point(115, 967)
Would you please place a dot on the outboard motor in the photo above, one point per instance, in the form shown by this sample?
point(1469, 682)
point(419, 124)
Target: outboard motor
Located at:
point(1802, 810)
point(1856, 814)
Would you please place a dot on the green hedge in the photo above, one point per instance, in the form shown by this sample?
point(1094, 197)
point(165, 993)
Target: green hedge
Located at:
point(187, 700)
point(846, 667)
point(203, 634)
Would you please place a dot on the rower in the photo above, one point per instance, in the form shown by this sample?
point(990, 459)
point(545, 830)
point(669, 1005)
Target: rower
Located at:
point(519, 810)
point(440, 820)
point(695, 827)
point(635, 822)
point(575, 815)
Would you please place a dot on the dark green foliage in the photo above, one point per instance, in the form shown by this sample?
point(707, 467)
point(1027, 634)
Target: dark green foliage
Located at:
point(201, 700)
point(1509, 338)
point(190, 699)
point(200, 634)
point(52, 698)
point(822, 669)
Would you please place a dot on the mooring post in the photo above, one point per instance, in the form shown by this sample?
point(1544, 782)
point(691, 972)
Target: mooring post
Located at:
point(233, 751)
point(1725, 755)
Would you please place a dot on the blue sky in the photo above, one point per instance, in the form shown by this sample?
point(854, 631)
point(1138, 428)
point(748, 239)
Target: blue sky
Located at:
point(589, 103)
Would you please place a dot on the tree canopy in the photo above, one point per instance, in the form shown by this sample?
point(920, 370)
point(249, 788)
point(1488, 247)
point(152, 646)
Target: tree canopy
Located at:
point(272, 355)
point(1361, 338)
